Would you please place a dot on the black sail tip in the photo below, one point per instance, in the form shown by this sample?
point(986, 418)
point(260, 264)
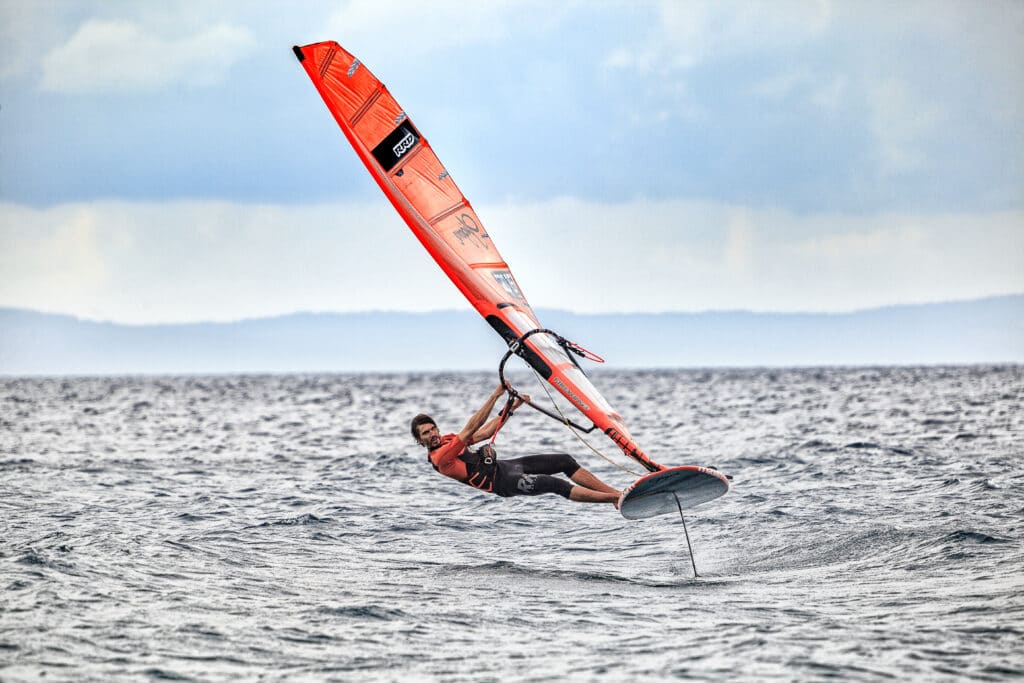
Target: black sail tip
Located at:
point(298, 53)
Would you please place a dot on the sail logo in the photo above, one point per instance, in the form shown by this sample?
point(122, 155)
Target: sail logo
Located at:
point(405, 144)
point(396, 145)
point(469, 230)
point(570, 394)
point(508, 283)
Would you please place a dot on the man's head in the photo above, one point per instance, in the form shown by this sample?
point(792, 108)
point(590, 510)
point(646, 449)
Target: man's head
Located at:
point(425, 431)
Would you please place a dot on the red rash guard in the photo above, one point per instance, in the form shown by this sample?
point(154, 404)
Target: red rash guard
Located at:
point(445, 458)
point(454, 460)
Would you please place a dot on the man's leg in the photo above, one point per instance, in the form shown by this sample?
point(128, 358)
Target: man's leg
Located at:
point(535, 478)
point(555, 463)
point(586, 479)
point(586, 495)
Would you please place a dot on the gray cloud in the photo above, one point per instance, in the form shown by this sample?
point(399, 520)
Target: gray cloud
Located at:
point(125, 56)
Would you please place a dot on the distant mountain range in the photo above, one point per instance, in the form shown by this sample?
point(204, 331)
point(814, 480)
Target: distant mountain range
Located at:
point(987, 330)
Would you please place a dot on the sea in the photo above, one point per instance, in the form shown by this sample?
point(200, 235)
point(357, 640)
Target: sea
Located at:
point(287, 527)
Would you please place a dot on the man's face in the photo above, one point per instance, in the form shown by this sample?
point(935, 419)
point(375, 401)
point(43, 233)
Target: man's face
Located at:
point(429, 435)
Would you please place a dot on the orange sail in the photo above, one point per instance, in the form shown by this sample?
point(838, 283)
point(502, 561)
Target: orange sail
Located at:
point(404, 165)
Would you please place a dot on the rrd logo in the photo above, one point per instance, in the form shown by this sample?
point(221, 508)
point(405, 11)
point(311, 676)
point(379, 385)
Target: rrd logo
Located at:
point(396, 145)
point(405, 144)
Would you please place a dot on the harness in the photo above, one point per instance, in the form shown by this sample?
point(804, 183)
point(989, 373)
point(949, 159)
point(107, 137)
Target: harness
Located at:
point(481, 467)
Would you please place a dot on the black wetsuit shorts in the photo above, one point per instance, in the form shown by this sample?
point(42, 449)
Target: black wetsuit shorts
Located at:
point(531, 475)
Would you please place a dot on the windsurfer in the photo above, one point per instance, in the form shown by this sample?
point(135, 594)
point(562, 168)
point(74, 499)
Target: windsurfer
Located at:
point(530, 475)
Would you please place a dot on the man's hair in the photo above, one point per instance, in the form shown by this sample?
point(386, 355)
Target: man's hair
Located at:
point(420, 419)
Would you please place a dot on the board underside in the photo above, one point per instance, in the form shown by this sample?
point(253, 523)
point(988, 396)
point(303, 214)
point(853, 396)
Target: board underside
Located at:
point(670, 490)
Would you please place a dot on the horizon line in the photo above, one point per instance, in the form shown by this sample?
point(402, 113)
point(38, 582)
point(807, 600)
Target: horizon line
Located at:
point(540, 309)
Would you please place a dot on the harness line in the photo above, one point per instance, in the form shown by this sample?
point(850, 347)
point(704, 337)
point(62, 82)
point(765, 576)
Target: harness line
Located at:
point(505, 414)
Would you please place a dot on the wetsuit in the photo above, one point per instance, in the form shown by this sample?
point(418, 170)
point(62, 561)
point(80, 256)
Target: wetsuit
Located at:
point(526, 476)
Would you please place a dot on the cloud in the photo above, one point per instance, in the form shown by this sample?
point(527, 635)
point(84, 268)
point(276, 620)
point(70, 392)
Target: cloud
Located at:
point(689, 34)
point(188, 261)
point(898, 77)
point(67, 245)
point(424, 28)
point(698, 31)
point(23, 27)
point(902, 123)
point(797, 104)
point(121, 55)
point(182, 261)
point(682, 255)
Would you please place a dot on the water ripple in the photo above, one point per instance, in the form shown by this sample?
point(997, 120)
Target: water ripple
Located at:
point(233, 528)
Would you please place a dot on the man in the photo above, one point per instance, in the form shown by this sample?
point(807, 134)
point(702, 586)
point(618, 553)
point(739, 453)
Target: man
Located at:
point(527, 476)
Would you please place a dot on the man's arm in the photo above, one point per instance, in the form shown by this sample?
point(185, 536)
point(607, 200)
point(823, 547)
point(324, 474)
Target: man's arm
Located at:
point(487, 431)
point(478, 419)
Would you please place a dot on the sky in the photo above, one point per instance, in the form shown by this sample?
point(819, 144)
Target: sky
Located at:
point(171, 162)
